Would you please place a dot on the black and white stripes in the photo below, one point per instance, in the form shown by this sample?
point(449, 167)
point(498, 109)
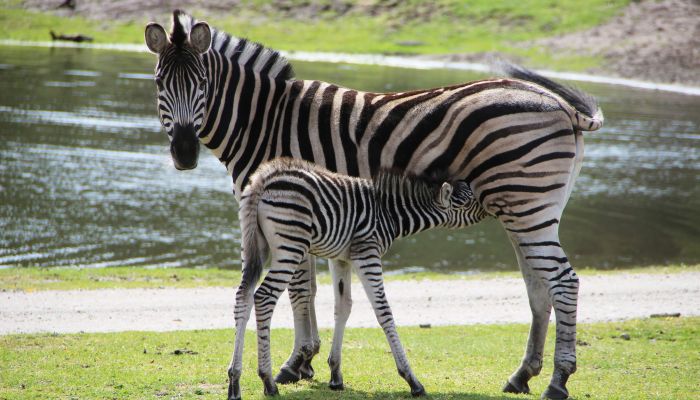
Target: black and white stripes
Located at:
point(517, 143)
point(292, 209)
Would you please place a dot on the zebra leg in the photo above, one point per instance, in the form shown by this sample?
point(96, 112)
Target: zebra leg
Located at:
point(370, 272)
point(541, 306)
point(340, 273)
point(306, 370)
point(302, 291)
point(543, 255)
point(244, 303)
point(266, 297)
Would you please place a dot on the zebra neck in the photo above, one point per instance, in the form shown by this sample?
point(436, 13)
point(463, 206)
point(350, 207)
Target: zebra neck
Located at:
point(408, 206)
point(411, 220)
point(247, 87)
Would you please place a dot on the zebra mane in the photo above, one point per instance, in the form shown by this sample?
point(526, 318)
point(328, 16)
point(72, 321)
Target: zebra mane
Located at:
point(388, 183)
point(250, 55)
point(182, 24)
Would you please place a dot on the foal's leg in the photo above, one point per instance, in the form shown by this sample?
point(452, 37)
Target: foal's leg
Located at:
point(283, 266)
point(340, 273)
point(244, 303)
point(306, 370)
point(542, 256)
point(302, 294)
point(369, 271)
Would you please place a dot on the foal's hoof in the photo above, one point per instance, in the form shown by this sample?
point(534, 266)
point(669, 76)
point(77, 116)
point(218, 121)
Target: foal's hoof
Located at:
point(336, 386)
point(306, 371)
point(287, 376)
point(516, 388)
point(555, 393)
point(271, 390)
point(234, 390)
point(418, 391)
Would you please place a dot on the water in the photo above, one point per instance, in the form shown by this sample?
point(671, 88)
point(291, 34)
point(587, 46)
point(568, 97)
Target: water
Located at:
point(86, 177)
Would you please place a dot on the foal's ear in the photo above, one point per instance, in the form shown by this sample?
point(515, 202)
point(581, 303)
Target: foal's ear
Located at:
point(445, 199)
point(156, 39)
point(200, 37)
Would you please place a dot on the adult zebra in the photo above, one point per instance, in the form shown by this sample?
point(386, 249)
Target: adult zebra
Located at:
point(293, 208)
point(517, 142)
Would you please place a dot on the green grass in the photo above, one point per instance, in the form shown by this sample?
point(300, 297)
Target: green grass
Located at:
point(33, 279)
point(660, 361)
point(439, 27)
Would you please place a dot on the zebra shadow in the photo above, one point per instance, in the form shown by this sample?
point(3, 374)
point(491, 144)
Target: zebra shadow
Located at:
point(319, 390)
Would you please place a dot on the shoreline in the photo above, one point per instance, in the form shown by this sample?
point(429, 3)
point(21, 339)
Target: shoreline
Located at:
point(438, 302)
point(409, 62)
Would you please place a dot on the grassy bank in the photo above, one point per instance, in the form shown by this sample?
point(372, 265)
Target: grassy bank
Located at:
point(33, 279)
point(660, 361)
point(406, 27)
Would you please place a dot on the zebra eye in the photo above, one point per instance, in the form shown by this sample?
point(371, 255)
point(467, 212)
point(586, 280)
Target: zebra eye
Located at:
point(159, 84)
point(203, 86)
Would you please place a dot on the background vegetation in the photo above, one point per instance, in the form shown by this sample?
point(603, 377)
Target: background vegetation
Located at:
point(358, 26)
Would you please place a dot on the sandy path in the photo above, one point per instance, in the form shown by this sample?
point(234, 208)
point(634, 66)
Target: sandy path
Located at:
point(457, 302)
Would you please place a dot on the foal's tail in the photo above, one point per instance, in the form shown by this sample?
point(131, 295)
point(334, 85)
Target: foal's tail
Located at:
point(585, 113)
point(252, 252)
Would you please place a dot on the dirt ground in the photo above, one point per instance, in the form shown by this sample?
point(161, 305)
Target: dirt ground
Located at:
point(650, 40)
point(455, 302)
point(656, 41)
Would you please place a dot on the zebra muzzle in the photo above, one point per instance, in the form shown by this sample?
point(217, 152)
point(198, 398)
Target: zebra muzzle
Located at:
point(184, 148)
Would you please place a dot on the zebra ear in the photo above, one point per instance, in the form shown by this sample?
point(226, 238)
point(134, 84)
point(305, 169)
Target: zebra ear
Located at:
point(156, 39)
point(200, 37)
point(445, 199)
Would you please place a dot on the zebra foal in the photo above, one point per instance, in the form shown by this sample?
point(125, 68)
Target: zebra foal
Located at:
point(292, 209)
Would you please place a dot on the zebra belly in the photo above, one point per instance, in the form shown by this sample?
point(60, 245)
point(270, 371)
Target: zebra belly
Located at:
point(336, 252)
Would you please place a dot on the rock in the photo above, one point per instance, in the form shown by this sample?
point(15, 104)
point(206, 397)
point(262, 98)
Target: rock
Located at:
point(410, 43)
point(665, 315)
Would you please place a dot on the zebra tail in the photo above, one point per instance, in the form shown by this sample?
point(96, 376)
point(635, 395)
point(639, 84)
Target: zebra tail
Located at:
point(586, 114)
point(252, 252)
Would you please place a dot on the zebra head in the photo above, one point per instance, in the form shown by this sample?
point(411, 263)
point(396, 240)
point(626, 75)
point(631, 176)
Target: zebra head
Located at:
point(181, 80)
point(460, 204)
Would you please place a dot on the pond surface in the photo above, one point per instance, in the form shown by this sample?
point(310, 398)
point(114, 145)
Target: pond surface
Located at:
point(86, 177)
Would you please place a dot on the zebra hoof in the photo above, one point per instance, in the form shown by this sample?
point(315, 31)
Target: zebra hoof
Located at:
point(336, 386)
point(271, 390)
point(287, 376)
point(510, 387)
point(555, 393)
point(418, 391)
point(233, 397)
point(234, 390)
point(306, 371)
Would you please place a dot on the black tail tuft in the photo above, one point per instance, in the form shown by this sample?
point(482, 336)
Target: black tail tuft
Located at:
point(252, 270)
point(580, 100)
